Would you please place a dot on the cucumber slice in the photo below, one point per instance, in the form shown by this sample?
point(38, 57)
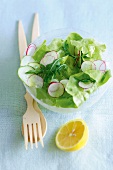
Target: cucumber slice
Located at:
point(85, 85)
point(34, 65)
point(49, 58)
point(64, 82)
point(21, 73)
point(26, 60)
point(87, 65)
point(56, 89)
point(35, 81)
point(30, 49)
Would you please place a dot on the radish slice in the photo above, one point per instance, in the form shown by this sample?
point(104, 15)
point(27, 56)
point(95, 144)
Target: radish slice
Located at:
point(30, 49)
point(103, 67)
point(100, 65)
point(34, 65)
point(21, 73)
point(35, 81)
point(64, 82)
point(87, 65)
point(56, 89)
point(49, 58)
point(85, 85)
point(26, 60)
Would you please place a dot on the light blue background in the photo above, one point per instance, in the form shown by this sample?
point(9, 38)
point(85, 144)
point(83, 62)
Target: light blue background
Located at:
point(95, 17)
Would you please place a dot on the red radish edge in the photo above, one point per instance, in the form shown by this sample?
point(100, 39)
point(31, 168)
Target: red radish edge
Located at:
point(30, 45)
point(98, 60)
point(77, 60)
point(101, 65)
point(54, 83)
point(79, 53)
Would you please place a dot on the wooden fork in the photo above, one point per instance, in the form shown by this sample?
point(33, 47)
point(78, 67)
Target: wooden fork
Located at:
point(31, 119)
point(32, 124)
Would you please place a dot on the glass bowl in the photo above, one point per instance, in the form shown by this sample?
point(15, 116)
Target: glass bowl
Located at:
point(94, 97)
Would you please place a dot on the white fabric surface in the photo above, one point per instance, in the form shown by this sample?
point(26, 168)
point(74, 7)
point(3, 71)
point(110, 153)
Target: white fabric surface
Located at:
point(95, 17)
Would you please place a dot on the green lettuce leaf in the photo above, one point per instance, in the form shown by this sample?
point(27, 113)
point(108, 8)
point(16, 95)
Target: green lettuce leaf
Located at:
point(42, 94)
point(95, 74)
point(81, 76)
point(71, 65)
point(79, 96)
point(65, 101)
point(69, 69)
point(105, 78)
point(90, 49)
point(40, 52)
point(56, 44)
point(60, 53)
point(78, 93)
point(72, 36)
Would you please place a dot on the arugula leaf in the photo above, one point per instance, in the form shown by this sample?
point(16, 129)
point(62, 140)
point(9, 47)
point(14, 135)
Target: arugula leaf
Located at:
point(51, 70)
point(33, 72)
point(88, 81)
point(66, 50)
point(38, 70)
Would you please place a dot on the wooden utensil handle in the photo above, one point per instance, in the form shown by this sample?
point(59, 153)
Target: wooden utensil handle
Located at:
point(29, 100)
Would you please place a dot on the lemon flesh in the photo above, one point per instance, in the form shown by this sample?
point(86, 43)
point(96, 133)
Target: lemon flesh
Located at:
point(72, 136)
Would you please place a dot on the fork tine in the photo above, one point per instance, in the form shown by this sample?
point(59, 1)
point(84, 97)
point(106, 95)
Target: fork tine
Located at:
point(25, 135)
point(40, 133)
point(35, 134)
point(30, 134)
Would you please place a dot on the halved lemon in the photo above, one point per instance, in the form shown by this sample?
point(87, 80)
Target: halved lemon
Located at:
point(72, 136)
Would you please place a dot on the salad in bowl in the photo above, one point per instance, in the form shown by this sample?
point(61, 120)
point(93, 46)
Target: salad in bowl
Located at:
point(65, 72)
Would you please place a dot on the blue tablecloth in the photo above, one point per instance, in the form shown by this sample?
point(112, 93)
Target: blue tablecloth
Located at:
point(95, 17)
